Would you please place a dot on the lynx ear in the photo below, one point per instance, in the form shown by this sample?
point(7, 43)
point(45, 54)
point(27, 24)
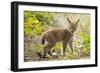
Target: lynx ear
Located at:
point(68, 20)
point(77, 21)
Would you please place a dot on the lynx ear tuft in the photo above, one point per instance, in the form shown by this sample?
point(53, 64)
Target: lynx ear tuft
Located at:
point(68, 20)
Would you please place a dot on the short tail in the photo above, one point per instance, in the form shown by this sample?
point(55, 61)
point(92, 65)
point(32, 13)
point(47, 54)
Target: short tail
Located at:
point(43, 41)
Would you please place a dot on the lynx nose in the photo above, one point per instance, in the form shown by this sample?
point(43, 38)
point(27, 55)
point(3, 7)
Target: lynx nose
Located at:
point(71, 30)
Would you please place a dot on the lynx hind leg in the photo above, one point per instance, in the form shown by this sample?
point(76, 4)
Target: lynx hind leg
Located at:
point(45, 51)
point(49, 43)
point(47, 48)
point(50, 48)
point(49, 52)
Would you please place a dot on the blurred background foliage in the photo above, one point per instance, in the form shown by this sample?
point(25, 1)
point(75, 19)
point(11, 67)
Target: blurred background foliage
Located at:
point(36, 22)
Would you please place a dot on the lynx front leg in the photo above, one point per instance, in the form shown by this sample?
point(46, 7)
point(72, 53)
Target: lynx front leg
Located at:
point(64, 47)
point(71, 45)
